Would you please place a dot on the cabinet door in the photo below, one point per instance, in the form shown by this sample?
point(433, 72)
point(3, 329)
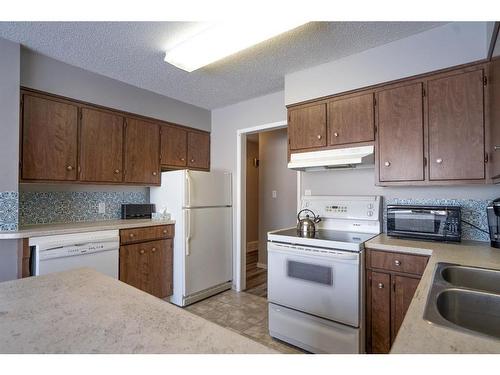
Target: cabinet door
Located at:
point(49, 139)
point(173, 146)
point(351, 120)
point(307, 127)
point(101, 146)
point(494, 110)
point(148, 266)
point(401, 133)
point(403, 290)
point(456, 127)
point(198, 150)
point(142, 152)
point(380, 299)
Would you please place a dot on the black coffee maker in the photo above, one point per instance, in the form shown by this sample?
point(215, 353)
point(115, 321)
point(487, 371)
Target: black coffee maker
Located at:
point(493, 211)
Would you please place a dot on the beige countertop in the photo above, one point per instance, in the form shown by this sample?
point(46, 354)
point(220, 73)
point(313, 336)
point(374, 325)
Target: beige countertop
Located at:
point(78, 227)
point(417, 335)
point(83, 311)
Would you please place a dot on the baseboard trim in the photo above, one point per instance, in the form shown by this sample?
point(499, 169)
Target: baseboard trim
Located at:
point(262, 265)
point(252, 246)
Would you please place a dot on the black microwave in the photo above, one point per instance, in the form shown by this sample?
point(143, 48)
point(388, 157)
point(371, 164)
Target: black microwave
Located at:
point(438, 223)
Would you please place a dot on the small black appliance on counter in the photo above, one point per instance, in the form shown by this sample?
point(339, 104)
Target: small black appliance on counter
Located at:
point(437, 223)
point(493, 211)
point(137, 211)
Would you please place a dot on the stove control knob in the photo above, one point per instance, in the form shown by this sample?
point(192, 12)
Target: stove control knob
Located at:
point(370, 213)
point(370, 206)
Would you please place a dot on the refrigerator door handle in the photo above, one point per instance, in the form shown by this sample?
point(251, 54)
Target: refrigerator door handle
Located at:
point(188, 188)
point(188, 231)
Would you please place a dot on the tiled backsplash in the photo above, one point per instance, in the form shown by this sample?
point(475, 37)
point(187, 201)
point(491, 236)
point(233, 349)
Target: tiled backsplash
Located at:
point(71, 206)
point(9, 202)
point(473, 211)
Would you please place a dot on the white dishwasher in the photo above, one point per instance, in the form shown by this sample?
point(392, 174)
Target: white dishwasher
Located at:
point(97, 250)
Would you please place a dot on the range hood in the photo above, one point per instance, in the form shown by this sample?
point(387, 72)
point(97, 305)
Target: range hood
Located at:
point(340, 158)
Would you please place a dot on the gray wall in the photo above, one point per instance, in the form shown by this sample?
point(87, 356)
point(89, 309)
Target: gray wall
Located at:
point(46, 74)
point(9, 144)
point(279, 212)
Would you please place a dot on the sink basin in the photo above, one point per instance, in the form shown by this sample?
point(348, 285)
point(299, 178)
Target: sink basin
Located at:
point(465, 298)
point(473, 278)
point(476, 311)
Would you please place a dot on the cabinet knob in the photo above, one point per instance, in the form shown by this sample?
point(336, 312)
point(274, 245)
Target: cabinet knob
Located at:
point(439, 160)
point(319, 136)
point(387, 163)
point(153, 249)
point(336, 134)
point(141, 251)
point(69, 168)
point(397, 262)
point(182, 159)
point(155, 173)
point(165, 231)
point(131, 235)
point(380, 286)
point(192, 160)
point(117, 171)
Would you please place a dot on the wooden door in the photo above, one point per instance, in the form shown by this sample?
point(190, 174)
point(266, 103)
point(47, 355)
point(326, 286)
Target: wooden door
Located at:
point(456, 127)
point(142, 152)
point(401, 133)
point(148, 266)
point(173, 146)
point(49, 139)
point(351, 120)
point(380, 313)
point(307, 127)
point(101, 146)
point(198, 150)
point(403, 291)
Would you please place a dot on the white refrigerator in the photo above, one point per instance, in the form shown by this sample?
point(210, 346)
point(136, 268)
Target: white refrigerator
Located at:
point(200, 204)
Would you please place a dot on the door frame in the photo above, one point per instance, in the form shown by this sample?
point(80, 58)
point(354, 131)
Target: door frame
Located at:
point(239, 251)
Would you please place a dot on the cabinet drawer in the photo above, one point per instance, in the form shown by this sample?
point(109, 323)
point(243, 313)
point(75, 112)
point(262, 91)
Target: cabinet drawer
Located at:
point(146, 234)
point(398, 262)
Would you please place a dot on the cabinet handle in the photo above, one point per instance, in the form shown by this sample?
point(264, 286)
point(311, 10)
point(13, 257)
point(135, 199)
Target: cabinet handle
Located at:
point(69, 168)
point(117, 171)
point(319, 136)
point(154, 173)
point(380, 286)
point(439, 160)
point(141, 251)
point(496, 148)
point(387, 163)
point(336, 134)
point(153, 249)
point(397, 262)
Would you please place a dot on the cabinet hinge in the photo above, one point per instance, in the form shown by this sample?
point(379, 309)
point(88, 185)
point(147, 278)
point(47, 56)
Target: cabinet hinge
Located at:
point(424, 94)
point(81, 114)
point(425, 161)
point(22, 101)
point(374, 102)
point(486, 157)
point(485, 80)
point(375, 129)
point(394, 286)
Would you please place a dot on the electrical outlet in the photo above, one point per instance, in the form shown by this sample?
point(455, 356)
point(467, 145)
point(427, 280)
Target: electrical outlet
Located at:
point(275, 194)
point(101, 207)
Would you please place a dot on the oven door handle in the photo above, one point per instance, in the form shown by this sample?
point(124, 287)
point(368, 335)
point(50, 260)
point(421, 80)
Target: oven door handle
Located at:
point(297, 251)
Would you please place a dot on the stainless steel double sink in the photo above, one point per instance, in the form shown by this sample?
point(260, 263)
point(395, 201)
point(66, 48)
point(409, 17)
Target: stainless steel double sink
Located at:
point(465, 298)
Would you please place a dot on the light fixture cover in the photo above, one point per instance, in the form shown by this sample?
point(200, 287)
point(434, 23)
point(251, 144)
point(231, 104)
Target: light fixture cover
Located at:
point(224, 39)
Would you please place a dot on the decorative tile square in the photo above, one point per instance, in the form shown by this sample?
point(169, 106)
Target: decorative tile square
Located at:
point(9, 202)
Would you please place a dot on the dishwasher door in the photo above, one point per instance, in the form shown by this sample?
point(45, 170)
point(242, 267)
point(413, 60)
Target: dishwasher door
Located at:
point(96, 250)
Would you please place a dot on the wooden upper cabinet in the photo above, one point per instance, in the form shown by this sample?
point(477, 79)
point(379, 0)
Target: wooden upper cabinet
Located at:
point(101, 146)
point(307, 127)
point(351, 120)
point(456, 127)
point(49, 139)
point(142, 152)
point(401, 133)
point(198, 150)
point(173, 146)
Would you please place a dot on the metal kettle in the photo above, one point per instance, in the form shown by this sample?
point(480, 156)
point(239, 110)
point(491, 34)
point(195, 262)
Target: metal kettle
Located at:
point(306, 227)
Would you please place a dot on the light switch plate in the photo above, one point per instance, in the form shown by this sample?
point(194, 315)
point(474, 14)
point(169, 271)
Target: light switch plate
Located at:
point(101, 207)
point(275, 194)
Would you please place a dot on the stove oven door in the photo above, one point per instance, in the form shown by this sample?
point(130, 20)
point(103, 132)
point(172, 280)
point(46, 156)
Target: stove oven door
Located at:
point(325, 283)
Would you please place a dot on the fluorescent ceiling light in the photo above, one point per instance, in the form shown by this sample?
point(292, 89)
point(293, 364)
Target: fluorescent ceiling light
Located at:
point(224, 39)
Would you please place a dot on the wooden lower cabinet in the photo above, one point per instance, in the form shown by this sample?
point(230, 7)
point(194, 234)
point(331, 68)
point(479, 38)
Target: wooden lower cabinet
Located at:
point(388, 296)
point(148, 265)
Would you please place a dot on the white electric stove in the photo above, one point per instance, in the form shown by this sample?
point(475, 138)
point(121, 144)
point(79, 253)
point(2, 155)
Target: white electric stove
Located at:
point(315, 284)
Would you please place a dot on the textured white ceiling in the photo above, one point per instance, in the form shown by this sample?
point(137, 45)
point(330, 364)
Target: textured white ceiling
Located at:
point(133, 52)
